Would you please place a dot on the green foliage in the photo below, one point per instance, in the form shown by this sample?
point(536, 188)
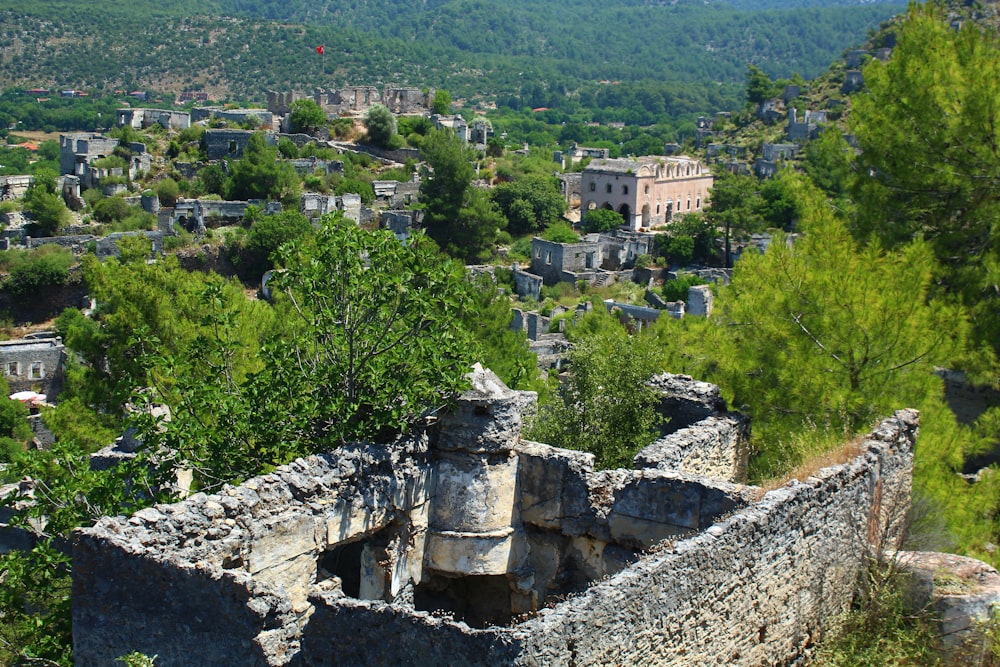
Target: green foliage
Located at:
point(825, 335)
point(381, 125)
point(442, 101)
point(251, 251)
point(356, 186)
point(110, 209)
point(880, 628)
point(72, 420)
point(560, 232)
point(34, 271)
point(606, 406)
point(371, 339)
point(529, 203)
point(501, 349)
point(260, 175)
point(677, 289)
point(602, 220)
point(167, 191)
point(736, 208)
point(759, 85)
point(926, 127)
point(45, 206)
point(703, 235)
point(14, 428)
point(306, 116)
point(461, 219)
point(35, 607)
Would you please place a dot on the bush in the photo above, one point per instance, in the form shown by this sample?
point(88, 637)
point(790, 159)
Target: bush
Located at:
point(602, 220)
point(560, 232)
point(35, 270)
point(677, 290)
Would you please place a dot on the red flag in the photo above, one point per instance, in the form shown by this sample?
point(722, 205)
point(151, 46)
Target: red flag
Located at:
point(320, 50)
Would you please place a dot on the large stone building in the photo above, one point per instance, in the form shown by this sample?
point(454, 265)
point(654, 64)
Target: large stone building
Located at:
point(648, 191)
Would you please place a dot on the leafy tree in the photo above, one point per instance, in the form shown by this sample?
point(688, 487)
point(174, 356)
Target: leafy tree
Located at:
point(461, 219)
point(260, 175)
point(45, 205)
point(251, 251)
point(735, 208)
point(606, 406)
point(560, 232)
point(778, 207)
point(371, 340)
point(703, 234)
point(827, 334)
point(306, 116)
point(381, 125)
point(602, 220)
point(167, 191)
point(529, 203)
point(759, 85)
point(828, 161)
point(442, 101)
point(34, 271)
point(501, 349)
point(111, 209)
point(926, 127)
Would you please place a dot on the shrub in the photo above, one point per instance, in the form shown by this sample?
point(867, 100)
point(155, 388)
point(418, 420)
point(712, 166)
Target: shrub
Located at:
point(34, 270)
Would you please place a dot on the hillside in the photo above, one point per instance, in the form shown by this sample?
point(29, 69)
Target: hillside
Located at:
point(236, 48)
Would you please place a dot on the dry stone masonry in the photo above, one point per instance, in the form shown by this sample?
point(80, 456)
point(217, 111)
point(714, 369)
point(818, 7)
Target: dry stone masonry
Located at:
point(466, 544)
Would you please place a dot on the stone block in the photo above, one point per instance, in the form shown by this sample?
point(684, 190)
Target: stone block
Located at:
point(280, 539)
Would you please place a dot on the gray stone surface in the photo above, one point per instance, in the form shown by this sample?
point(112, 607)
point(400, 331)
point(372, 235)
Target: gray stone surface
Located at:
point(468, 545)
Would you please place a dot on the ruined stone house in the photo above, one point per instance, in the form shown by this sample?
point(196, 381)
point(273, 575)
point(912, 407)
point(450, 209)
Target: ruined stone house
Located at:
point(466, 544)
point(79, 150)
point(141, 119)
point(34, 364)
point(647, 191)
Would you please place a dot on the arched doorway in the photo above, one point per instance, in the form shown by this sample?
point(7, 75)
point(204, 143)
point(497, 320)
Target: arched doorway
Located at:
point(626, 212)
point(646, 217)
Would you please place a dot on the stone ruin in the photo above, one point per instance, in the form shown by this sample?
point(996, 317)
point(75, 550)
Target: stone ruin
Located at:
point(466, 544)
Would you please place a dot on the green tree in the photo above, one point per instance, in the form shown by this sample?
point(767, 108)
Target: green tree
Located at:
point(306, 116)
point(372, 339)
point(260, 175)
point(736, 207)
point(529, 203)
point(442, 102)
point(602, 220)
point(381, 125)
point(560, 232)
point(251, 251)
point(926, 125)
point(32, 272)
point(606, 406)
point(167, 191)
point(45, 205)
point(827, 335)
point(461, 219)
point(759, 85)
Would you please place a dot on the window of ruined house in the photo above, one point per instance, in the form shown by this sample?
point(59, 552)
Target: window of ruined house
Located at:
point(609, 188)
point(37, 370)
point(548, 257)
point(538, 253)
point(232, 147)
point(12, 368)
point(689, 204)
point(593, 186)
point(697, 203)
point(657, 209)
point(624, 189)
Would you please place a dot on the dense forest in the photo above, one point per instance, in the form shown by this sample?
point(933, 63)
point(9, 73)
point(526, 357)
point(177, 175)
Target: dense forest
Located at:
point(536, 51)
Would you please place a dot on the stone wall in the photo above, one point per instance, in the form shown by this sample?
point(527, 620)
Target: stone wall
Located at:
point(468, 545)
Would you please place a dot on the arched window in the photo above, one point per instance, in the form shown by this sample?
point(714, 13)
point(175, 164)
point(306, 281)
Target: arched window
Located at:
point(689, 204)
point(697, 203)
point(646, 189)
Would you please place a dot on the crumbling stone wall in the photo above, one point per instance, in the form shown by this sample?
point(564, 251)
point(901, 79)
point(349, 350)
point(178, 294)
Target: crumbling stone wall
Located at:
point(322, 560)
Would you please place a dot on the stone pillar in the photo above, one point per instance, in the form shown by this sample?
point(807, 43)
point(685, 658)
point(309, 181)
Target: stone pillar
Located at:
point(474, 525)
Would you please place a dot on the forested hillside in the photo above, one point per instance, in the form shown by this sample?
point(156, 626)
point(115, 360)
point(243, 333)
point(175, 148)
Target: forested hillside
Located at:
point(534, 50)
